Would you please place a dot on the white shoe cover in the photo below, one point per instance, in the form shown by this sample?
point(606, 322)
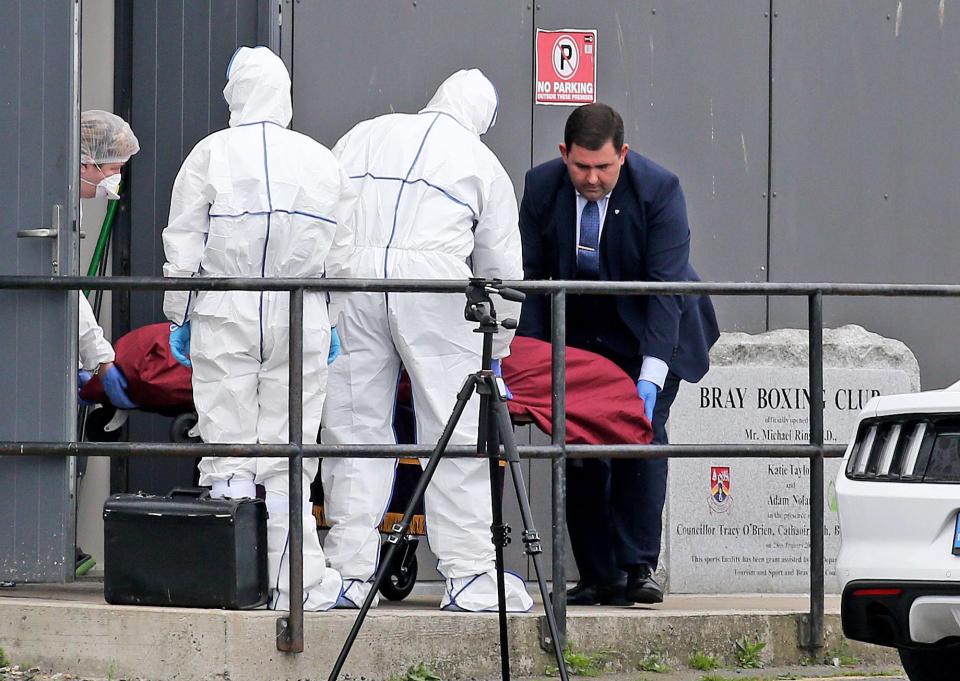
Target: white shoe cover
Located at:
point(479, 593)
point(322, 586)
point(234, 489)
point(354, 593)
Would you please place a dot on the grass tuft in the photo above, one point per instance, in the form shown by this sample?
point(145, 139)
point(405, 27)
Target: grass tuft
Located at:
point(748, 653)
point(702, 661)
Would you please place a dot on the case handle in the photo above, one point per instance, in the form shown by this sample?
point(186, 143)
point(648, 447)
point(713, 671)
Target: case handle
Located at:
point(195, 492)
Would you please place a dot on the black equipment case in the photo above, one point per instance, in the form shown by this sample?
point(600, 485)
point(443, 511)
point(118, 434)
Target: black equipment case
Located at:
point(185, 550)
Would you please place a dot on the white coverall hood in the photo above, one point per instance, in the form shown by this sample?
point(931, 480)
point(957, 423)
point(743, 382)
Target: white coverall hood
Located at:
point(470, 98)
point(258, 88)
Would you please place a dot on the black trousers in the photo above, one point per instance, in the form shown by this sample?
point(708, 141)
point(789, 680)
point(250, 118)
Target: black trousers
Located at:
point(615, 506)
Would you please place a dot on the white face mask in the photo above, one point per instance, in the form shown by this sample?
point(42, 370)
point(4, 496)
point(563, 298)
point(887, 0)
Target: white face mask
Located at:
point(109, 187)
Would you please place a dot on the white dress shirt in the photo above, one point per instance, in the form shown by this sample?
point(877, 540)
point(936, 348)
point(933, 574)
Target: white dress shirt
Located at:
point(653, 369)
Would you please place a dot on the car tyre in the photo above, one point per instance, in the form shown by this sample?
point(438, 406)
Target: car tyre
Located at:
point(931, 664)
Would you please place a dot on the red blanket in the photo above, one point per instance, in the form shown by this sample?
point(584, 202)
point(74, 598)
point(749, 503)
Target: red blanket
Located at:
point(602, 402)
point(155, 380)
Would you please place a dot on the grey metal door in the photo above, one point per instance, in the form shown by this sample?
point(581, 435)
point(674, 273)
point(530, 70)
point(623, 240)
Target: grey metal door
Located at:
point(690, 80)
point(350, 63)
point(39, 153)
point(170, 76)
point(866, 155)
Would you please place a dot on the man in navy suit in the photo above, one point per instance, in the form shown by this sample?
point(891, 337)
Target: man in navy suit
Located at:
point(603, 212)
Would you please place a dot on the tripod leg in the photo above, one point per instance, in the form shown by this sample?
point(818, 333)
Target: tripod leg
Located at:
point(400, 529)
point(531, 539)
point(499, 531)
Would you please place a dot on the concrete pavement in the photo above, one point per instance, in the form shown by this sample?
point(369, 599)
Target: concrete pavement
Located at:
point(69, 628)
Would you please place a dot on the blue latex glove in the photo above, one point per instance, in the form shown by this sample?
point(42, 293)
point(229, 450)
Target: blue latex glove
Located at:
point(83, 377)
point(647, 392)
point(115, 385)
point(334, 346)
point(498, 371)
point(180, 343)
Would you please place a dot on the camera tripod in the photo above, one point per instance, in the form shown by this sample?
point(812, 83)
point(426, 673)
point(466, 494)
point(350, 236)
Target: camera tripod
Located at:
point(495, 427)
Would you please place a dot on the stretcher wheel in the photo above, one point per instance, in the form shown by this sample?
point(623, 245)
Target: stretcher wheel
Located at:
point(181, 427)
point(97, 419)
point(402, 576)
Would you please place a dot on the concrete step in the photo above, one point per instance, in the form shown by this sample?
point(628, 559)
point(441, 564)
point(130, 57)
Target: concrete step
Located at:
point(71, 629)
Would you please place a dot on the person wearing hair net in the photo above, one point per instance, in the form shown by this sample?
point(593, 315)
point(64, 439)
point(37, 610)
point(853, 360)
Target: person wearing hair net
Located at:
point(258, 200)
point(106, 144)
point(435, 203)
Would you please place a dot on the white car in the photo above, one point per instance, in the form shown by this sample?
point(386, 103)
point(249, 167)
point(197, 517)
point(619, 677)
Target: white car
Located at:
point(899, 562)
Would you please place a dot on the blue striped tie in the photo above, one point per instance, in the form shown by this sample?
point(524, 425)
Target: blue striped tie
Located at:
point(588, 250)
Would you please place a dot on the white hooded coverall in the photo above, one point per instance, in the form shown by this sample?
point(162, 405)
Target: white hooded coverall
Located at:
point(259, 200)
point(435, 203)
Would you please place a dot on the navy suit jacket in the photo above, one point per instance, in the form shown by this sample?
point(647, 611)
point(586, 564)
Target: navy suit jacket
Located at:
point(645, 238)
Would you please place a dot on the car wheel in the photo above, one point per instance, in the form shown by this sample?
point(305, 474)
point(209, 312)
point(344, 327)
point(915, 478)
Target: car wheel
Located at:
point(932, 664)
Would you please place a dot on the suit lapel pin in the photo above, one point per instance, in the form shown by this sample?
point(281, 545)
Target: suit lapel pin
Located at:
point(616, 211)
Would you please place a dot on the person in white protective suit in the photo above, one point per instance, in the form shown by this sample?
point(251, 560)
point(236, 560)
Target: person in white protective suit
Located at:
point(106, 144)
point(435, 203)
point(258, 200)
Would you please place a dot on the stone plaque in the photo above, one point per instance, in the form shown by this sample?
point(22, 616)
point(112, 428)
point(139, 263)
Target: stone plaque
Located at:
point(742, 525)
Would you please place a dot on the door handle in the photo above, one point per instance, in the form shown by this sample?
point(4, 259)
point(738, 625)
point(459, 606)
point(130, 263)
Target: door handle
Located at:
point(53, 232)
point(45, 233)
point(38, 233)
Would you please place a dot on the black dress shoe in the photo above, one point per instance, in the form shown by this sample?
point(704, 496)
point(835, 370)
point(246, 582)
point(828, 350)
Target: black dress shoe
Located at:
point(575, 591)
point(600, 593)
point(642, 587)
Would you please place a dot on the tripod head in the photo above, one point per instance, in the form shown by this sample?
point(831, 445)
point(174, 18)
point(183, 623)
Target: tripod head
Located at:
point(480, 307)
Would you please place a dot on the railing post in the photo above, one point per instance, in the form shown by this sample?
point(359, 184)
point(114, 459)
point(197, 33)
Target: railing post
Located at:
point(290, 628)
point(558, 338)
point(815, 365)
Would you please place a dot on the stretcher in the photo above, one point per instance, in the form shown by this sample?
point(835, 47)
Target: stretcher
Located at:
point(602, 408)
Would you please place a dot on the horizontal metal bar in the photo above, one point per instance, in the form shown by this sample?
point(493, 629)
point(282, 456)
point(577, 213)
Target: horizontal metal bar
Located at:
point(454, 286)
point(757, 451)
point(162, 449)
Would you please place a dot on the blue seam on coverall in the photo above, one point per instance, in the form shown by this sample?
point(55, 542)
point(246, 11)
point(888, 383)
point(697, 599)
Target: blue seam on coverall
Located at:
point(186, 309)
point(286, 545)
point(266, 240)
point(429, 184)
point(453, 596)
point(345, 590)
point(396, 207)
point(247, 213)
point(244, 125)
point(237, 51)
point(496, 109)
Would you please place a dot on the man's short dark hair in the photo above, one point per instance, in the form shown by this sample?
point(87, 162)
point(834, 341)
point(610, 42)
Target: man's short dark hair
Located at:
point(593, 125)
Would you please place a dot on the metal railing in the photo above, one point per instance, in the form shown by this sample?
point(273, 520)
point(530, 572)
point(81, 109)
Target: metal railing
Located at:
point(290, 628)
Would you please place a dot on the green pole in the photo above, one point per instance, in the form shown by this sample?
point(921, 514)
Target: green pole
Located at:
point(105, 230)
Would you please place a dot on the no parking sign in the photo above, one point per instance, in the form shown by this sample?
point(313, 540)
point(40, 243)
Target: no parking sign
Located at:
point(566, 72)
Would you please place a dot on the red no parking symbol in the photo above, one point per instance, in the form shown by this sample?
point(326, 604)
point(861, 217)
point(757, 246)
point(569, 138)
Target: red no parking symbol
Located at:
point(566, 71)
